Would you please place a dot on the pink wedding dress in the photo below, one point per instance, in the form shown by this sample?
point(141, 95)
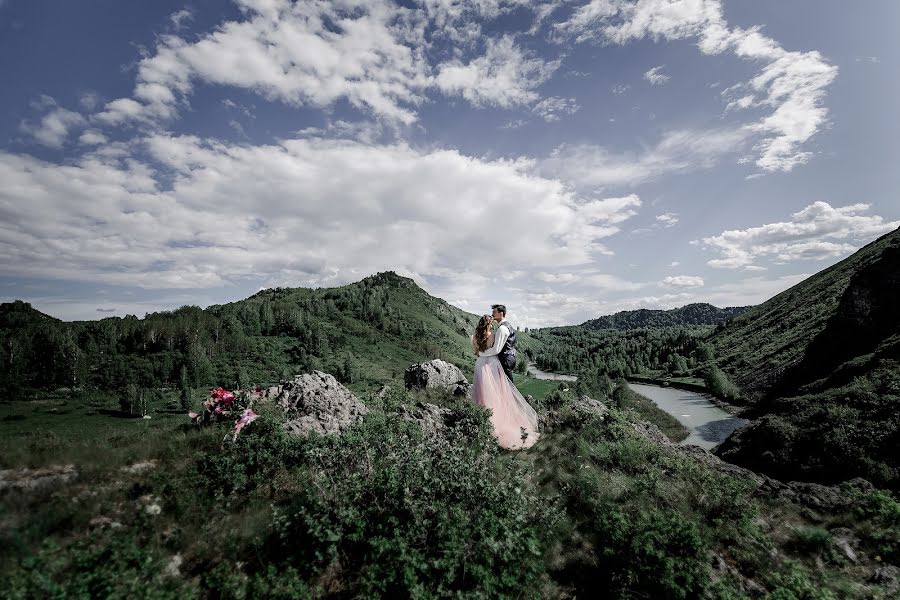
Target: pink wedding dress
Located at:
point(509, 410)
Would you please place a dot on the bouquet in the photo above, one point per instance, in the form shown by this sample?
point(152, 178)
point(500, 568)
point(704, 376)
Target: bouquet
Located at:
point(224, 405)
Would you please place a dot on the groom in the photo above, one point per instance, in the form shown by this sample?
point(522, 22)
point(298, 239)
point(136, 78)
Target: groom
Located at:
point(504, 341)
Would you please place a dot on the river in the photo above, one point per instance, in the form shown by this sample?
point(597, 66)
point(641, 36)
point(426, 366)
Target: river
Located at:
point(707, 423)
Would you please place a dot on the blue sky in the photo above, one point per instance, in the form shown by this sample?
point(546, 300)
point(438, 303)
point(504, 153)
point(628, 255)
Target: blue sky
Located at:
point(565, 157)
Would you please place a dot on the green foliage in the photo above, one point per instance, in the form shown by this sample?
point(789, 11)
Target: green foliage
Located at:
point(691, 314)
point(103, 564)
point(366, 333)
point(717, 382)
point(417, 515)
point(879, 511)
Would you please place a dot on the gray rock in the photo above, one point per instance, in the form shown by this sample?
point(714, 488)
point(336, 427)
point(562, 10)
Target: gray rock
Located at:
point(845, 540)
point(430, 417)
point(317, 402)
point(888, 577)
point(747, 586)
point(436, 374)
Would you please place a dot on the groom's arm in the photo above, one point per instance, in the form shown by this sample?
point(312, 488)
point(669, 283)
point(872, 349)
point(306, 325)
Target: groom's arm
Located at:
point(500, 337)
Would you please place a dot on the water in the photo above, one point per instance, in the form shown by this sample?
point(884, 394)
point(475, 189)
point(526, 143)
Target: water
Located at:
point(538, 374)
point(708, 424)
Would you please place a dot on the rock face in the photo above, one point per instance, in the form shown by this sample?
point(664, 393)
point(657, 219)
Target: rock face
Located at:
point(437, 374)
point(316, 402)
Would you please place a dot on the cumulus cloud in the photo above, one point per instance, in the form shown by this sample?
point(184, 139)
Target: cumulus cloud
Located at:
point(53, 128)
point(656, 77)
point(368, 53)
point(309, 210)
point(791, 84)
point(817, 232)
point(505, 75)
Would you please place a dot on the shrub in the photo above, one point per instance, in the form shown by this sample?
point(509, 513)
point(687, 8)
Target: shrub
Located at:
point(409, 514)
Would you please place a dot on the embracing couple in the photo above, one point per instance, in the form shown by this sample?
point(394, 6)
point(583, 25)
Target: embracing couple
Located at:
point(513, 419)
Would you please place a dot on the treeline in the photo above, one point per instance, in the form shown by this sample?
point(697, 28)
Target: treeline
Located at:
point(599, 357)
point(275, 333)
point(689, 315)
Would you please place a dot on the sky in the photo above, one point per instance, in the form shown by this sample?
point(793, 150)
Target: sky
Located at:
point(567, 158)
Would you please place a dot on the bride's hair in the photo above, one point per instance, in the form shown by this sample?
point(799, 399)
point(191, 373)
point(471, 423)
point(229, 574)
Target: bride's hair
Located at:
point(482, 332)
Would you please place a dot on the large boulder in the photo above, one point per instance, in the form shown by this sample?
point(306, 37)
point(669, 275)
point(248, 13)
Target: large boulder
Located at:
point(437, 374)
point(430, 417)
point(316, 402)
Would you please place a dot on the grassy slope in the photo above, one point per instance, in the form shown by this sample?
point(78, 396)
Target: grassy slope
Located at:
point(757, 347)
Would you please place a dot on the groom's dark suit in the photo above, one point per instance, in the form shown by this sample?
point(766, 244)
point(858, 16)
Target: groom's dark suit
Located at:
point(507, 354)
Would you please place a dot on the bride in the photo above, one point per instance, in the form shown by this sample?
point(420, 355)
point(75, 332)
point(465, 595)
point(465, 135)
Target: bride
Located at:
point(510, 412)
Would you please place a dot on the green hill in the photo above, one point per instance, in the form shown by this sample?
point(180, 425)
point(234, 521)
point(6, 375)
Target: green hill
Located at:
point(366, 333)
point(692, 314)
point(762, 345)
point(821, 364)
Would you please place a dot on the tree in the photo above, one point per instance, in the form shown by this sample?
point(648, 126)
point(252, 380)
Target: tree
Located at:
point(184, 389)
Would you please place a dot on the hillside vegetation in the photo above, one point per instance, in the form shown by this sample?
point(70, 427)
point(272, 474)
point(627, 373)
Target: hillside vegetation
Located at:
point(820, 364)
point(691, 314)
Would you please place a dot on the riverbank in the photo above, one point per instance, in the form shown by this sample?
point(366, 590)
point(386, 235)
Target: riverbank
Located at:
point(733, 409)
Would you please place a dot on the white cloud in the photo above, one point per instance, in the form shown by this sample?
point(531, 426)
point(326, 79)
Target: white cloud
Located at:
point(810, 234)
point(677, 152)
point(54, 127)
point(683, 281)
point(92, 137)
point(656, 77)
point(309, 211)
point(180, 17)
point(505, 75)
point(620, 88)
point(674, 263)
point(791, 84)
point(667, 219)
point(366, 52)
point(551, 109)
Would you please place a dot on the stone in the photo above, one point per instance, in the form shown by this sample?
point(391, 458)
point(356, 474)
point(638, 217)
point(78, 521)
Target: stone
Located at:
point(430, 417)
point(845, 540)
point(436, 374)
point(317, 402)
point(888, 578)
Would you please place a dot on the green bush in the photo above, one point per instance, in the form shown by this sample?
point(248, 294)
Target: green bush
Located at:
point(413, 515)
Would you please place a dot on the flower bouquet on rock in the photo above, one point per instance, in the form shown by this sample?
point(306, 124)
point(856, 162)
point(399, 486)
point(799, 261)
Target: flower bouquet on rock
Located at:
point(224, 405)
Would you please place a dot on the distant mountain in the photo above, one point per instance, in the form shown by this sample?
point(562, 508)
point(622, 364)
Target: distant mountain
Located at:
point(691, 314)
point(820, 363)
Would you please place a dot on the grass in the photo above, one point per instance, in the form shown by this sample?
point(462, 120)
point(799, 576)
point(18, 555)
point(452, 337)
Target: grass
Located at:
point(385, 510)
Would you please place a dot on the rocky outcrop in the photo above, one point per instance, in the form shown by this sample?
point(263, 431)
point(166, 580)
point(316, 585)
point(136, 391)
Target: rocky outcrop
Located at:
point(437, 374)
point(316, 402)
point(583, 407)
point(812, 495)
point(430, 417)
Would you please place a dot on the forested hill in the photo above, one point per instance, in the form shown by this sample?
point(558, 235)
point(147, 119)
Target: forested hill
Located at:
point(822, 363)
point(365, 333)
point(691, 314)
point(764, 345)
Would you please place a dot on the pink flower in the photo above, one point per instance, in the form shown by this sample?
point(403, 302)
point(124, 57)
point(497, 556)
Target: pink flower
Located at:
point(247, 417)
